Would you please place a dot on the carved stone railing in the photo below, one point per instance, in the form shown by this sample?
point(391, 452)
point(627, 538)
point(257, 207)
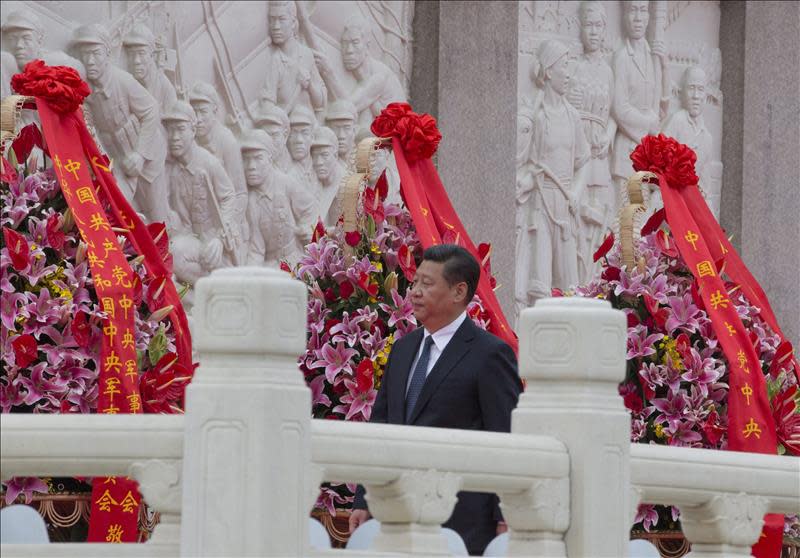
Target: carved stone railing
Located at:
point(238, 474)
point(722, 495)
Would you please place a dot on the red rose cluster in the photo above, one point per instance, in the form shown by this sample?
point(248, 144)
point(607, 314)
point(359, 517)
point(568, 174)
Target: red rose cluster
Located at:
point(417, 133)
point(60, 86)
point(665, 156)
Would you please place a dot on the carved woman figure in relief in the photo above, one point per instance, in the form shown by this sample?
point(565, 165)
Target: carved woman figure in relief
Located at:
point(525, 178)
point(591, 92)
point(641, 89)
point(551, 200)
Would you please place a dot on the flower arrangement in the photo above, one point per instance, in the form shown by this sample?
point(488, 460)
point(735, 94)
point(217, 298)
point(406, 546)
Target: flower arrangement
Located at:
point(676, 383)
point(51, 318)
point(358, 307)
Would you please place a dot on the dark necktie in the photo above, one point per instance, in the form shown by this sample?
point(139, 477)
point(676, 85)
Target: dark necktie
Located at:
point(418, 377)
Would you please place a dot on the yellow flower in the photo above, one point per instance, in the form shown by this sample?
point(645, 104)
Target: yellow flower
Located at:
point(670, 348)
point(659, 429)
point(378, 265)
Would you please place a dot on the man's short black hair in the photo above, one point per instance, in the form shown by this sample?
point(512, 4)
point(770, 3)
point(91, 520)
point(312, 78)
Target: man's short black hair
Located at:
point(459, 265)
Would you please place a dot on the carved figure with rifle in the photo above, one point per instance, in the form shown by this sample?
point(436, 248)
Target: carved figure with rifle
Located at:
point(204, 199)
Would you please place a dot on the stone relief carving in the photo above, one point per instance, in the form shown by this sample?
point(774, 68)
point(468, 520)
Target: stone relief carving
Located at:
point(633, 67)
point(306, 73)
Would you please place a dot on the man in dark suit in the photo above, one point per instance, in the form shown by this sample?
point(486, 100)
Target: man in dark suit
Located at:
point(450, 374)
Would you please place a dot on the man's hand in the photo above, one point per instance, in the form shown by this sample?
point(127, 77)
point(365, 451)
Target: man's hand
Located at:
point(659, 49)
point(304, 79)
point(132, 165)
point(357, 518)
point(502, 527)
point(211, 256)
point(575, 97)
point(323, 66)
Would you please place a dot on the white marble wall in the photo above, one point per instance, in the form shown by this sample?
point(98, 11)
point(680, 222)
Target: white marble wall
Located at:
point(579, 118)
point(312, 54)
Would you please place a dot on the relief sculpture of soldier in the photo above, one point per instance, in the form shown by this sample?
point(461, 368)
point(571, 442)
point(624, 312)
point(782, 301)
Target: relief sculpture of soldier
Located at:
point(292, 79)
point(279, 212)
point(329, 174)
point(23, 36)
point(301, 131)
point(342, 118)
point(376, 85)
point(524, 189)
point(688, 127)
point(553, 194)
point(203, 197)
point(591, 92)
point(275, 122)
point(126, 117)
point(641, 89)
point(140, 49)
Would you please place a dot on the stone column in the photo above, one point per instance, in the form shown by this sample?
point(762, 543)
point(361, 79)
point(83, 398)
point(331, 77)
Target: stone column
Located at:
point(247, 454)
point(472, 48)
point(761, 192)
point(572, 354)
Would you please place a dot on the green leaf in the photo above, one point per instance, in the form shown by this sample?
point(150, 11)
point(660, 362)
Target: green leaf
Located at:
point(158, 345)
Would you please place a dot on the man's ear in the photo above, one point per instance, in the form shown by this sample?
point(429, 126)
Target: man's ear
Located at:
point(461, 293)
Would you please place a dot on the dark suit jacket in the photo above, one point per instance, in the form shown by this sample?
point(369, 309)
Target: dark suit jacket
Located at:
point(474, 386)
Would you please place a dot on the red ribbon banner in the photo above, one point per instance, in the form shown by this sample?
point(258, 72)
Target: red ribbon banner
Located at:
point(701, 243)
point(58, 92)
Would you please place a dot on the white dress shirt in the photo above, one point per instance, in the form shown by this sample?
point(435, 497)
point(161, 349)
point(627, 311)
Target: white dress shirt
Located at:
point(440, 340)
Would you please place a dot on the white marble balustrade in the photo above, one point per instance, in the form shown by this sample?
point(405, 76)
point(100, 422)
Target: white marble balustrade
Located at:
point(238, 474)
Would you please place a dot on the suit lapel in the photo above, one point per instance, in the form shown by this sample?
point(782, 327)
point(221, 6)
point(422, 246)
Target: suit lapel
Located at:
point(456, 349)
point(401, 367)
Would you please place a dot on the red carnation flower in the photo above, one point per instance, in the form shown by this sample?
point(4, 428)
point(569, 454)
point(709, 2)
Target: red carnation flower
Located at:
point(346, 289)
point(81, 330)
point(25, 350)
point(352, 238)
point(364, 379)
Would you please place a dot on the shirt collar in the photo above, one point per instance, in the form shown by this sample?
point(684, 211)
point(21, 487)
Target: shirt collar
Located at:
point(443, 336)
point(104, 85)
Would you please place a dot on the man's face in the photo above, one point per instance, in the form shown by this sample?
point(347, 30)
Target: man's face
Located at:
point(592, 31)
point(277, 132)
point(432, 297)
point(280, 23)
point(345, 131)
point(694, 93)
point(324, 159)
point(96, 60)
point(637, 15)
point(299, 141)
point(25, 45)
point(180, 135)
point(206, 115)
point(354, 49)
point(559, 75)
point(140, 60)
point(256, 167)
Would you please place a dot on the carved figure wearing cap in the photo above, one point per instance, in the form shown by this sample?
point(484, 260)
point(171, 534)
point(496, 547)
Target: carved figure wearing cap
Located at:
point(23, 36)
point(275, 122)
point(280, 213)
point(292, 79)
point(688, 127)
point(126, 117)
point(204, 199)
point(550, 200)
point(376, 85)
point(140, 50)
point(591, 91)
point(329, 173)
point(342, 118)
point(301, 131)
point(213, 135)
point(641, 89)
